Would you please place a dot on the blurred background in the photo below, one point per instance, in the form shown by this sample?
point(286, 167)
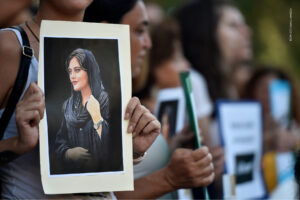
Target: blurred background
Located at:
point(270, 24)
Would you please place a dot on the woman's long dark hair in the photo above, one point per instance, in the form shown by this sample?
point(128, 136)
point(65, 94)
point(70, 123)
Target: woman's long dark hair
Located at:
point(198, 21)
point(88, 62)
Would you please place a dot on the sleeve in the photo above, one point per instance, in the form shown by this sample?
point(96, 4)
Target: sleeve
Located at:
point(104, 103)
point(61, 144)
point(203, 103)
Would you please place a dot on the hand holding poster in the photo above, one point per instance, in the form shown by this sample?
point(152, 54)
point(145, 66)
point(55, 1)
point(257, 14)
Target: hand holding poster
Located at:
point(240, 126)
point(86, 78)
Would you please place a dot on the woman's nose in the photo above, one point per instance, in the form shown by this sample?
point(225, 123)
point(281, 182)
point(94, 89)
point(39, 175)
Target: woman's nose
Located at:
point(147, 41)
point(72, 75)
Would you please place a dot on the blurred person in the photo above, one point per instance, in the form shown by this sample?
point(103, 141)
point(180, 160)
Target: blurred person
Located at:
point(14, 12)
point(215, 39)
point(160, 172)
point(241, 75)
point(166, 61)
point(276, 137)
point(155, 13)
point(21, 177)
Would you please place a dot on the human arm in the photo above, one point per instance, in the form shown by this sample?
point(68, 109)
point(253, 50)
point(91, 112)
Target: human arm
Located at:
point(93, 107)
point(186, 169)
point(66, 152)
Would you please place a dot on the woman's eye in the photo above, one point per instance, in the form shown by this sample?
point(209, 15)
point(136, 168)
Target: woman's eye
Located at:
point(140, 31)
point(77, 70)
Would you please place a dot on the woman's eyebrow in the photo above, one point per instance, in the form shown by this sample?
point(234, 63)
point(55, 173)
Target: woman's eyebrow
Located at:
point(75, 67)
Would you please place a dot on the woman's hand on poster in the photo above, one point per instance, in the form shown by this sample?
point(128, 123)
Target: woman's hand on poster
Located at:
point(93, 107)
point(142, 124)
point(29, 112)
point(188, 168)
point(78, 155)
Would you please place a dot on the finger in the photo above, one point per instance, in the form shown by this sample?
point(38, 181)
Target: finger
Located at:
point(144, 120)
point(82, 149)
point(35, 105)
point(86, 155)
point(37, 96)
point(204, 162)
point(32, 89)
point(200, 153)
point(134, 101)
point(219, 162)
point(207, 180)
point(153, 126)
point(31, 118)
point(138, 112)
point(29, 91)
point(217, 152)
point(206, 171)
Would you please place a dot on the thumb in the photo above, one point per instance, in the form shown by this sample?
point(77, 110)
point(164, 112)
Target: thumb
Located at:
point(33, 88)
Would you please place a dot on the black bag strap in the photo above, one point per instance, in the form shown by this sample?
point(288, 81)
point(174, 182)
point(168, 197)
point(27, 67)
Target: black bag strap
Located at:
point(27, 54)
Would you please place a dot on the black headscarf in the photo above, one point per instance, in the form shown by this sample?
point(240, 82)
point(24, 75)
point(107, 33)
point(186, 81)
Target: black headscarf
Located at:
point(74, 112)
point(111, 11)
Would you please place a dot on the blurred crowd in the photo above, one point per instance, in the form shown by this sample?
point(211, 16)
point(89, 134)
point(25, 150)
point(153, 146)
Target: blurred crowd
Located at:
point(212, 41)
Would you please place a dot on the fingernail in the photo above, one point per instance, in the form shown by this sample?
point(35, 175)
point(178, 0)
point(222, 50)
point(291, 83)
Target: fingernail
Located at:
point(126, 116)
point(130, 129)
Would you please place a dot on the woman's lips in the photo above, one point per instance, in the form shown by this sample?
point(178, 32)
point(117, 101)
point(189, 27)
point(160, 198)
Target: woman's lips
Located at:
point(74, 82)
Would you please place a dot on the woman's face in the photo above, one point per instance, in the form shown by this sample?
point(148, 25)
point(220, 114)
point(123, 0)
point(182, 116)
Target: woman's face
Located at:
point(233, 36)
point(171, 69)
point(140, 41)
point(68, 6)
point(78, 76)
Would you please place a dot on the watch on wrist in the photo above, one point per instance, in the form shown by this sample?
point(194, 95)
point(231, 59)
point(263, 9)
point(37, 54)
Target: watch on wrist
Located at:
point(98, 124)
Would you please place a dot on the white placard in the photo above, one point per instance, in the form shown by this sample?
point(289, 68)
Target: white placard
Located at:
point(170, 105)
point(107, 170)
point(240, 126)
point(171, 102)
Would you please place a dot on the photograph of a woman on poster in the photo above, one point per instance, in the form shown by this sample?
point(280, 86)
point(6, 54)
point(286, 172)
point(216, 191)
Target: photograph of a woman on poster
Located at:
point(79, 141)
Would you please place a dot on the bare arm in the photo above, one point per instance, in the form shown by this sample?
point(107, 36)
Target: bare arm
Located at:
point(186, 169)
point(148, 187)
point(10, 55)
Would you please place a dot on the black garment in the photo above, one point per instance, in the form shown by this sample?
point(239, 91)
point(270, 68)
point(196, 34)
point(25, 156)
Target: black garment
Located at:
point(77, 131)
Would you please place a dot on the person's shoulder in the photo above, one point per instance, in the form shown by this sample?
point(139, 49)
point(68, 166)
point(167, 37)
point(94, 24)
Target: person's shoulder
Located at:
point(66, 102)
point(9, 44)
point(10, 55)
